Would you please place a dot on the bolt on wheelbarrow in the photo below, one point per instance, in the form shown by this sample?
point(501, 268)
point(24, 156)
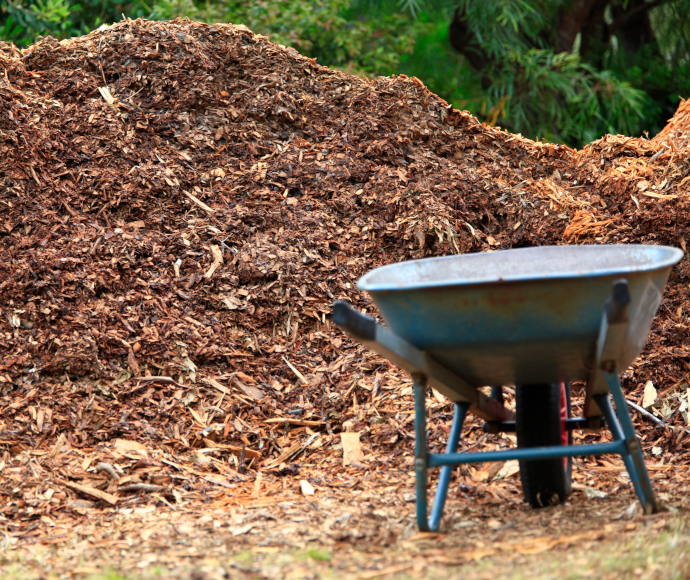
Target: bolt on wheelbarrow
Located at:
point(537, 318)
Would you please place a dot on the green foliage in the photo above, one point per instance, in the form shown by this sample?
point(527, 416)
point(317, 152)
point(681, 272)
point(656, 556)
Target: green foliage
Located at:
point(501, 27)
point(557, 97)
point(22, 22)
point(441, 68)
point(528, 86)
point(331, 31)
point(319, 554)
point(43, 17)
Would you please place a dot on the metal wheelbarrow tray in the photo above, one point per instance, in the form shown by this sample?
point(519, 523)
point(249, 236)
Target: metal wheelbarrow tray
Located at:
point(537, 318)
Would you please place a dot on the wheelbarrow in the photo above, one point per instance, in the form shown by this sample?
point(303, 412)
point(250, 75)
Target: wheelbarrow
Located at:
point(537, 318)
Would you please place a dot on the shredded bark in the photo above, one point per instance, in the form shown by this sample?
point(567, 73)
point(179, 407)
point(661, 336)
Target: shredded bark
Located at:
point(182, 203)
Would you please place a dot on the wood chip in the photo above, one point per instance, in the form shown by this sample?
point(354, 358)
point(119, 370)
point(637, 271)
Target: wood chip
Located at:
point(128, 446)
point(217, 254)
point(198, 202)
point(196, 229)
point(352, 448)
point(298, 374)
point(306, 488)
point(107, 95)
point(91, 492)
point(292, 421)
point(649, 395)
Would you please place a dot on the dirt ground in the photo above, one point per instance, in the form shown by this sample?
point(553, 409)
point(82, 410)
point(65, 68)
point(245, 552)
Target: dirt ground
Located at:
point(182, 203)
point(358, 521)
point(363, 527)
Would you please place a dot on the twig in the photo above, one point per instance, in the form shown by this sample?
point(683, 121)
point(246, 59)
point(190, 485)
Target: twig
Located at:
point(294, 369)
point(91, 492)
point(159, 379)
point(200, 203)
point(291, 452)
point(217, 254)
point(147, 487)
point(236, 449)
point(210, 477)
point(290, 421)
point(647, 414)
point(109, 469)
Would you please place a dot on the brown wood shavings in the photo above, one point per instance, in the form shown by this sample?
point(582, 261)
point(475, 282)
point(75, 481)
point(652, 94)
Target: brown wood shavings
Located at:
point(182, 203)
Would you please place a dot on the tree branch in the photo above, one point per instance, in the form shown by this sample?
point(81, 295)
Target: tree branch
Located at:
point(571, 21)
point(621, 19)
point(464, 41)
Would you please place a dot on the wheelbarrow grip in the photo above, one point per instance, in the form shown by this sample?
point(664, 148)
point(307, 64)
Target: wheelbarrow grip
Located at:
point(359, 325)
point(617, 305)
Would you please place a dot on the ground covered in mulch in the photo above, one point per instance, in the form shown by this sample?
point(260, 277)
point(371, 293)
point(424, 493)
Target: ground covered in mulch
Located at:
point(181, 203)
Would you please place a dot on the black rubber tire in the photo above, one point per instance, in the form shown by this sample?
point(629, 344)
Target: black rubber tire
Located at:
point(538, 423)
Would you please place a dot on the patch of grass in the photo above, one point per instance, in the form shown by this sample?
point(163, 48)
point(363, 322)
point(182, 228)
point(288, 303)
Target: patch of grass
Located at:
point(108, 575)
point(113, 574)
point(15, 572)
point(15, 565)
point(651, 552)
point(244, 559)
point(318, 554)
point(655, 554)
point(648, 548)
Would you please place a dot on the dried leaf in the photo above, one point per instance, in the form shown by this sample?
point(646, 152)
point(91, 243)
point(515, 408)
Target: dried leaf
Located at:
point(128, 446)
point(508, 469)
point(649, 396)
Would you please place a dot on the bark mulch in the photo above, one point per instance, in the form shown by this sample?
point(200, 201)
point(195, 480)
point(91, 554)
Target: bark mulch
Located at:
point(182, 202)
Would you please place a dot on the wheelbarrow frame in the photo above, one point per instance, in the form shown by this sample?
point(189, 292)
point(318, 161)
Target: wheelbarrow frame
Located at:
point(425, 370)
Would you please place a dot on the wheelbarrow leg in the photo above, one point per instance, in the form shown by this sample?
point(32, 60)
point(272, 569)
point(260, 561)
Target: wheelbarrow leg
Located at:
point(622, 429)
point(424, 522)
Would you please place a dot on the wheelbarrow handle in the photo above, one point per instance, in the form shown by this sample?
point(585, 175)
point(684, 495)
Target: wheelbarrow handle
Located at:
point(396, 349)
point(359, 325)
point(617, 304)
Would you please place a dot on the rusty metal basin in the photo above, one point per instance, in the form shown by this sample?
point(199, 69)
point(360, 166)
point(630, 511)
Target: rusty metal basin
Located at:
point(521, 316)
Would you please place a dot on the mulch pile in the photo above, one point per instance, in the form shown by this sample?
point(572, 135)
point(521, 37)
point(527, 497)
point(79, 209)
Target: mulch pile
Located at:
point(181, 203)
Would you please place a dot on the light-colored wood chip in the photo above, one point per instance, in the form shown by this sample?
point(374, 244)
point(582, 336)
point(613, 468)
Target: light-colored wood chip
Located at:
point(352, 448)
point(91, 492)
point(200, 203)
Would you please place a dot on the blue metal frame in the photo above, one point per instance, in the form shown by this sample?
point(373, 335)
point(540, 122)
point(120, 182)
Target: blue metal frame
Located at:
point(423, 459)
point(625, 444)
point(622, 428)
point(614, 325)
point(424, 368)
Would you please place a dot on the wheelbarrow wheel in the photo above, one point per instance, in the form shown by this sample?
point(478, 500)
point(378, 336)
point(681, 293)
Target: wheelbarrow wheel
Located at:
point(540, 413)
